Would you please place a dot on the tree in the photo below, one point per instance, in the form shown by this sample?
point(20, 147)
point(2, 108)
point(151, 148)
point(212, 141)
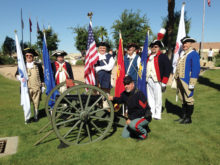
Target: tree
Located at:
point(82, 36)
point(170, 42)
point(51, 37)
point(102, 32)
point(8, 46)
point(133, 28)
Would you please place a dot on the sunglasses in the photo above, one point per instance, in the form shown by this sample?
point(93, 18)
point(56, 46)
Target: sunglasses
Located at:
point(155, 46)
point(29, 56)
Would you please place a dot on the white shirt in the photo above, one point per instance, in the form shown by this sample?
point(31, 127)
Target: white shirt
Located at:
point(106, 67)
point(210, 53)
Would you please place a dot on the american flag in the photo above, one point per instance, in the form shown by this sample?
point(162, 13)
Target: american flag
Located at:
point(91, 58)
point(209, 3)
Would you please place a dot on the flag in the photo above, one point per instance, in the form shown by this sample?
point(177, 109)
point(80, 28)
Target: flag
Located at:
point(22, 22)
point(30, 24)
point(48, 74)
point(142, 68)
point(119, 86)
point(209, 3)
point(181, 33)
point(25, 99)
point(91, 58)
point(38, 28)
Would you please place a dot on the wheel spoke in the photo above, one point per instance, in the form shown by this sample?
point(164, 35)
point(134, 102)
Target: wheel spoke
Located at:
point(72, 128)
point(80, 129)
point(89, 95)
point(73, 106)
point(68, 113)
point(99, 118)
point(96, 127)
point(67, 121)
point(98, 110)
point(95, 103)
point(88, 132)
point(80, 99)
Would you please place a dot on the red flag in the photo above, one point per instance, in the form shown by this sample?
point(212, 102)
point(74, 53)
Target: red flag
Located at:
point(119, 86)
point(91, 58)
point(30, 24)
point(209, 3)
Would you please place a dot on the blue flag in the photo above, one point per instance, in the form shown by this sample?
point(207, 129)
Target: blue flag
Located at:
point(142, 69)
point(48, 74)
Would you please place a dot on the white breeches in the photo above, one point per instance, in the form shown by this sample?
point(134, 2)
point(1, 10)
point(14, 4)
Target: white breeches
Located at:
point(154, 97)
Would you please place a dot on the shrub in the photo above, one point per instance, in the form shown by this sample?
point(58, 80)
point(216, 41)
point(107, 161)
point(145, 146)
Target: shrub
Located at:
point(80, 62)
point(6, 60)
point(217, 60)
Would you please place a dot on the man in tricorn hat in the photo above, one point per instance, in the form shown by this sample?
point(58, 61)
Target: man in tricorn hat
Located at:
point(35, 79)
point(104, 67)
point(62, 70)
point(139, 115)
point(186, 75)
point(132, 62)
point(158, 71)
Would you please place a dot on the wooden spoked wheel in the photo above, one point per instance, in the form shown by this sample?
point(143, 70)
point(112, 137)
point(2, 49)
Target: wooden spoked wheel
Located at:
point(82, 115)
point(48, 108)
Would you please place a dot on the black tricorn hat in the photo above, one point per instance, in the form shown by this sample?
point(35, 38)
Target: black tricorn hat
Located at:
point(103, 44)
point(187, 39)
point(157, 42)
point(30, 50)
point(59, 53)
point(127, 80)
point(132, 45)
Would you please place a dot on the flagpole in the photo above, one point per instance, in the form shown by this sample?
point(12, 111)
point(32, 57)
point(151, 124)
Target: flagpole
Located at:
point(203, 23)
point(22, 45)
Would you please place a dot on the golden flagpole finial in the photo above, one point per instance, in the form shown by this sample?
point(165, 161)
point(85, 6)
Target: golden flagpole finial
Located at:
point(15, 31)
point(90, 14)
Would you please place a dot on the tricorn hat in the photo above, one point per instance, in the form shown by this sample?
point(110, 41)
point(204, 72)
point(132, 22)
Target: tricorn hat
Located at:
point(158, 41)
point(187, 39)
point(132, 45)
point(30, 50)
point(103, 44)
point(127, 80)
point(59, 53)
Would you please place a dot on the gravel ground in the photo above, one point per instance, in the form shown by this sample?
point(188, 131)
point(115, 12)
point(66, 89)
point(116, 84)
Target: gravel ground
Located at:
point(78, 72)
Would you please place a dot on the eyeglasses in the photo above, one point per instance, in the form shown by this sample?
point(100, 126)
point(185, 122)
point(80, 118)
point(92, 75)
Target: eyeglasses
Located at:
point(29, 56)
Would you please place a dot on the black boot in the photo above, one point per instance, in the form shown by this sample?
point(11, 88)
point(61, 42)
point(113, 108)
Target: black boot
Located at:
point(183, 114)
point(189, 113)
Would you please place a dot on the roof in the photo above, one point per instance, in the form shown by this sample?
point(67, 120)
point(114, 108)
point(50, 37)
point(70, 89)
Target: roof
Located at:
point(207, 45)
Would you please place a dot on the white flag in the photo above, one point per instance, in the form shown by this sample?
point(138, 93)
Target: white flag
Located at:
point(181, 33)
point(25, 100)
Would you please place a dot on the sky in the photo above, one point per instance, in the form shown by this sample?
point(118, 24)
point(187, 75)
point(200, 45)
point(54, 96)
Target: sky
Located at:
point(63, 14)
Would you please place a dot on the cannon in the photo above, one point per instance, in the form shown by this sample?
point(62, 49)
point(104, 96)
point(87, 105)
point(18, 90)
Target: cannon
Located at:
point(81, 115)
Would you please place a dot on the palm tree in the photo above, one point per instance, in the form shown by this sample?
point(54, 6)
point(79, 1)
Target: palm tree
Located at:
point(102, 32)
point(170, 28)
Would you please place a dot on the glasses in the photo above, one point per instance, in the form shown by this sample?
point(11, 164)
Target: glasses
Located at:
point(29, 56)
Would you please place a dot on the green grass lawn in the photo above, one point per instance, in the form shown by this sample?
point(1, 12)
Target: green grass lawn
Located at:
point(169, 143)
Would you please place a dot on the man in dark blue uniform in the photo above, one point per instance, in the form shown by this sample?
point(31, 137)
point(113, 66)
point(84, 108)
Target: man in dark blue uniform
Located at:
point(139, 114)
point(104, 67)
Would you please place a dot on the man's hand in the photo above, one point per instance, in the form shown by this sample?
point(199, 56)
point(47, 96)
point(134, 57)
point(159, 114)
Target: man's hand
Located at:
point(110, 98)
point(163, 87)
point(128, 121)
point(191, 87)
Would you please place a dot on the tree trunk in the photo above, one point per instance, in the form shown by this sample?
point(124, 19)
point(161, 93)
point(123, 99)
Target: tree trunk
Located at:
point(171, 6)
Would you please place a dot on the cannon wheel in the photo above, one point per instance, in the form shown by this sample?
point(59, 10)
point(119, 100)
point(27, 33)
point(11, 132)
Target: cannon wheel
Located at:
point(83, 120)
point(57, 87)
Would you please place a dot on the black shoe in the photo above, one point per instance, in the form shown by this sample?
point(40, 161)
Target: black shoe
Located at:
point(179, 120)
point(28, 121)
point(36, 119)
point(62, 145)
point(186, 121)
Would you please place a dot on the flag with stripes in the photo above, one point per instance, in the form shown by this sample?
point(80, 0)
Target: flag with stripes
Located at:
point(91, 58)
